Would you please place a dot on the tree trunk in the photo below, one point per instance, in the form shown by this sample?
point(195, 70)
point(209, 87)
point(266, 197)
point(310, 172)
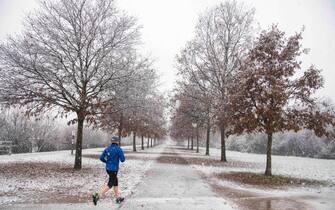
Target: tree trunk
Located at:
point(197, 139)
point(148, 142)
point(192, 143)
point(151, 142)
point(121, 127)
point(134, 141)
point(79, 143)
point(268, 155)
point(142, 139)
point(223, 144)
point(188, 143)
point(207, 140)
point(72, 143)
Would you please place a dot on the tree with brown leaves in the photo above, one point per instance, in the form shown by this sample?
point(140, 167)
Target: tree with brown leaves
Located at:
point(270, 97)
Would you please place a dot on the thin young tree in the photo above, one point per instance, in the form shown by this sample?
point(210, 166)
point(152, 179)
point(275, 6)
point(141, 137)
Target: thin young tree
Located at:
point(69, 56)
point(274, 94)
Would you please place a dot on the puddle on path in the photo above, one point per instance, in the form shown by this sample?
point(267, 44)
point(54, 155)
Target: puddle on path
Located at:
point(246, 200)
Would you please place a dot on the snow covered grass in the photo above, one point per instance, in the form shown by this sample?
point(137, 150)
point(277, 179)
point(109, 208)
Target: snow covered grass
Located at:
point(277, 181)
point(49, 177)
point(297, 167)
point(304, 194)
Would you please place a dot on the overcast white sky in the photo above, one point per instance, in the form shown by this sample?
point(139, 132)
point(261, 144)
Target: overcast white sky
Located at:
point(168, 25)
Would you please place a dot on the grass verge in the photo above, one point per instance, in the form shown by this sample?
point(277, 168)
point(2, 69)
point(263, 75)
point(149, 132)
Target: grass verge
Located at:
point(268, 181)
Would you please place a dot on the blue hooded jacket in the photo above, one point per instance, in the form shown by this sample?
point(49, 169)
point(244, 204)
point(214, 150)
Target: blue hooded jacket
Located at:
point(112, 156)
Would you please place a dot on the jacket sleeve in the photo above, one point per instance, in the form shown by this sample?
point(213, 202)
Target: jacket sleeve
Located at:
point(122, 158)
point(102, 156)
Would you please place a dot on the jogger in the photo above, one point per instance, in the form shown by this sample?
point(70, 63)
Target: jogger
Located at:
point(112, 155)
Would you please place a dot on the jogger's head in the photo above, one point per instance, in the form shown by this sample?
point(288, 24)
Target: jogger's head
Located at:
point(115, 140)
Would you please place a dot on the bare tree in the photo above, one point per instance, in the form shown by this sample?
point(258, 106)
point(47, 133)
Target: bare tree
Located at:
point(132, 100)
point(223, 35)
point(69, 56)
point(154, 118)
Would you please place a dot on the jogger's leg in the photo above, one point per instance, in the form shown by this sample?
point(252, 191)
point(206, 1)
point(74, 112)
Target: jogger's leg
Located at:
point(109, 185)
point(103, 190)
point(96, 196)
point(116, 191)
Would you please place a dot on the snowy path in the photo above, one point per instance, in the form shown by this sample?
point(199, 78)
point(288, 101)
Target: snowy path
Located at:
point(174, 186)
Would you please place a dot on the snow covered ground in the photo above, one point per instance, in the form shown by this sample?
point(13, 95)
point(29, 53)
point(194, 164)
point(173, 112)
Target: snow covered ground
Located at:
point(49, 177)
point(298, 167)
point(258, 197)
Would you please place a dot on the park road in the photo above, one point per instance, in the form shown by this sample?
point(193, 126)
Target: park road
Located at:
point(174, 185)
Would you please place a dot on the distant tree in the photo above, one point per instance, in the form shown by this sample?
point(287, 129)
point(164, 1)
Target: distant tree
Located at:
point(43, 134)
point(132, 103)
point(188, 114)
point(269, 95)
point(27, 134)
point(181, 123)
point(210, 60)
point(69, 56)
point(156, 119)
point(142, 116)
point(17, 129)
point(197, 93)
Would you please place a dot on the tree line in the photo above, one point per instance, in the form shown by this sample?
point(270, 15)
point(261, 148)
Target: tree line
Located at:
point(31, 134)
point(81, 57)
point(237, 82)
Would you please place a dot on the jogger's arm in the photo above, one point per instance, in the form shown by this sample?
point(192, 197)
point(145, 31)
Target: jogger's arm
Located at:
point(102, 156)
point(121, 155)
